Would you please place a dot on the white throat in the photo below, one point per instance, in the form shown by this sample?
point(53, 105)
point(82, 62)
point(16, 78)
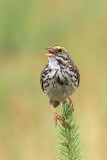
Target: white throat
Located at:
point(53, 63)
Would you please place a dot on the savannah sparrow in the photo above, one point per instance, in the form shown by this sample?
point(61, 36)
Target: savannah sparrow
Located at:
point(60, 77)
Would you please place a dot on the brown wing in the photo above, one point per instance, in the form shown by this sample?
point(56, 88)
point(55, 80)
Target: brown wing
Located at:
point(43, 76)
point(74, 68)
point(41, 81)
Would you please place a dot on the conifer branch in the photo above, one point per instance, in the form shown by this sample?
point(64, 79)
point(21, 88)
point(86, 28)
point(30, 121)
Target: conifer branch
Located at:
point(68, 136)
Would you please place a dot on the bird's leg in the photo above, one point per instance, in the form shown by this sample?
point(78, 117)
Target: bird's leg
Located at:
point(70, 103)
point(56, 115)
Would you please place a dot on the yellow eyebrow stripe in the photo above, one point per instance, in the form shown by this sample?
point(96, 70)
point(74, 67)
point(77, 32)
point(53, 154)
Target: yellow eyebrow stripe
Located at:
point(57, 47)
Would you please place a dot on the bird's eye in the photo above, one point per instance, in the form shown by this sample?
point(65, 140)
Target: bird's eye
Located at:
point(59, 50)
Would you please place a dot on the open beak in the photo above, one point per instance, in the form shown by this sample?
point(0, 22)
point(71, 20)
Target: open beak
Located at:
point(51, 52)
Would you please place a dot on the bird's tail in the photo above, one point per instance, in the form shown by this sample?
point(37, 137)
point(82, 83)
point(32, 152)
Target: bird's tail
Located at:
point(57, 103)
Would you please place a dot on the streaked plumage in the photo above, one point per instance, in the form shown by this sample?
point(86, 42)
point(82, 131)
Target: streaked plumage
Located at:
point(60, 78)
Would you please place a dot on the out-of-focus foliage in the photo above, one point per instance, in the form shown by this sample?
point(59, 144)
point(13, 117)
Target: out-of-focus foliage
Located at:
point(26, 121)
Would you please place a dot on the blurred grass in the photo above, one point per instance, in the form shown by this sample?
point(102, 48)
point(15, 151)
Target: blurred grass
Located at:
point(26, 120)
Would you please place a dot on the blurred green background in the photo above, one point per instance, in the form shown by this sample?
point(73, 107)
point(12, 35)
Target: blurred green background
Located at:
point(27, 129)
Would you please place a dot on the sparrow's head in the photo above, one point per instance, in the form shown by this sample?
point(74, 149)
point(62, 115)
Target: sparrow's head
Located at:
point(57, 52)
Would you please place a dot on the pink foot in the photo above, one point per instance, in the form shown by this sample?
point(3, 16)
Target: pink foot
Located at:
point(56, 116)
point(59, 118)
point(70, 103)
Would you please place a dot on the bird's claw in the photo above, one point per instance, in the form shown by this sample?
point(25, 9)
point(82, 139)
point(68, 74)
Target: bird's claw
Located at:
point(60, 118)
point(70, 103)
